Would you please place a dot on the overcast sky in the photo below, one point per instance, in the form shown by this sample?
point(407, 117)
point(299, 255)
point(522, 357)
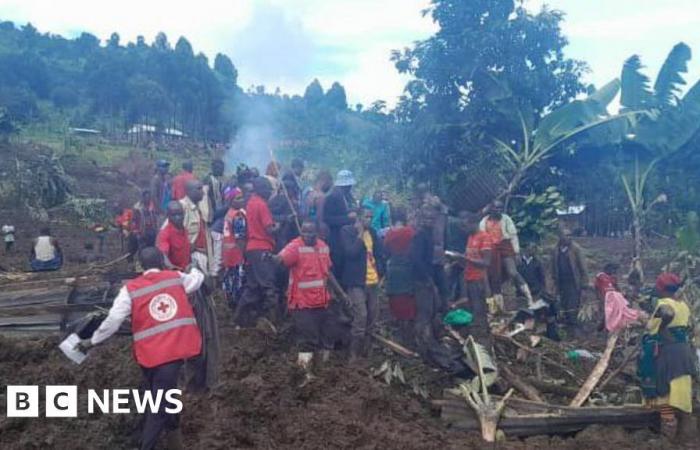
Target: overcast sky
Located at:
point(286, 43)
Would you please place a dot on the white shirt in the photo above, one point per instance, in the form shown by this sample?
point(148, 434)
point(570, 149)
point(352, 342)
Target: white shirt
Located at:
point(121, 307)
point(44, 249)
point(508, 230)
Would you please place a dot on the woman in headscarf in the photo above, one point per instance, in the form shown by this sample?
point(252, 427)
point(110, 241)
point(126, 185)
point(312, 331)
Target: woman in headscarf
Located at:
point(667, 363)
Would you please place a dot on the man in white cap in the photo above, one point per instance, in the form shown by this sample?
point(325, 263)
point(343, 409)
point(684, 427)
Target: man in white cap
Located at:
point(338, 211)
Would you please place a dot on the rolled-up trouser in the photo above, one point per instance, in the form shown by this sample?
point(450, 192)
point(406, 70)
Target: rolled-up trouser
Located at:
point(217, 249)
point(364, 309)
point(570, 297)
point(163, 377)
point(476, 293)
point(312, 327)
point(259, 290)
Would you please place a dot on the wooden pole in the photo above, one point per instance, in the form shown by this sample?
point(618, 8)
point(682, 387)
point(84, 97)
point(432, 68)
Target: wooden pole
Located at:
point(596, 373)
point(284, 191)
point(398, 348)
point(624, 363)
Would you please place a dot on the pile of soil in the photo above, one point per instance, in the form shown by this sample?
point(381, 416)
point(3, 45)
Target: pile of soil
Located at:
point(258, 404)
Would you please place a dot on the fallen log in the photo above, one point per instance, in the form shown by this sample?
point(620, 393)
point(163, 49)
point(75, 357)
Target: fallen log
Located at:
point(49, 294)
point(552, 388)
point(596, 373)
point(398, 348)
point(520, 385)
point(52, 308)
point(523, 418)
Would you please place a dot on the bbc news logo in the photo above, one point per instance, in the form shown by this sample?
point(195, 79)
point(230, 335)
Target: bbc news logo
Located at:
point(62, 401)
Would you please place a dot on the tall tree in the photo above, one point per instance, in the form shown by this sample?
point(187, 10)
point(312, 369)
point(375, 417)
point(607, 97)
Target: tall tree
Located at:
point(314, 93)
point(336, 98)
point(451, 101)
point(224, 67)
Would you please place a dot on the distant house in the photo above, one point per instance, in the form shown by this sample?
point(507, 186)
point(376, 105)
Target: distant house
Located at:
point(572, 217)
point(84, 131)
point(144, 133)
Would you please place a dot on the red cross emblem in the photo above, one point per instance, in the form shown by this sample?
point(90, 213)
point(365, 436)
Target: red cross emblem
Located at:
point(162, 307)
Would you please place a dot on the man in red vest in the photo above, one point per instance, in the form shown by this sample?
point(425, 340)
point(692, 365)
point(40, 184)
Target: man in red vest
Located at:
point(165, 333)
point(309, 263)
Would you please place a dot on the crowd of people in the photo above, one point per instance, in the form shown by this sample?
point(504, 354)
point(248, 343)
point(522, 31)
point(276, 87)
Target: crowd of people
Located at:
point(281, 248)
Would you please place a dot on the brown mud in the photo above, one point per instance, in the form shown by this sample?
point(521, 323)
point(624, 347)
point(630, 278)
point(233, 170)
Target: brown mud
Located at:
point(259, 403)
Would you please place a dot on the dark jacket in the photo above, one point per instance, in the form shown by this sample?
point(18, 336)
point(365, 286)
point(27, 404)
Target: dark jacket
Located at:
point(282, 213)
point(577, 264)
point(354, 273)
point(422, 252)
point(336, 208)
point(533, 273)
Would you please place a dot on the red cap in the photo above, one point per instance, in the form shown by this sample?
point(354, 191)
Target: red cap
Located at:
point(666, 280)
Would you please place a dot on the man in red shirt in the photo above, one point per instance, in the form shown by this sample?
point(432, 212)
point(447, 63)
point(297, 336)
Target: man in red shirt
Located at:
point(259, 290)
point(308, 260)
point(478, 258)
point(173, 240)
point(179, 183)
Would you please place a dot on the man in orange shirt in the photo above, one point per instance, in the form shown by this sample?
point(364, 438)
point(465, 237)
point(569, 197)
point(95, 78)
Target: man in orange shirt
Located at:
point(506, 248)
point(179, 183)
point(478, 257)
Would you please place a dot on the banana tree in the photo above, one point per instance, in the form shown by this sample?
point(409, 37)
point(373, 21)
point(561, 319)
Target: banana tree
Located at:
point(555, 129)
point(668, 126)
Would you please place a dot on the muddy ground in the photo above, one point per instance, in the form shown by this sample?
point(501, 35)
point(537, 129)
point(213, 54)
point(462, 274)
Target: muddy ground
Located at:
point(259, 403)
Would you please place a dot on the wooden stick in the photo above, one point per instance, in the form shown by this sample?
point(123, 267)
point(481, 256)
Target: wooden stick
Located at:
point(398, 348)
point(596, 373)
point(624, 363)
point(552, 388)
point(107, 264)
point(284, 191)
point(545, 359)
point(522, 386)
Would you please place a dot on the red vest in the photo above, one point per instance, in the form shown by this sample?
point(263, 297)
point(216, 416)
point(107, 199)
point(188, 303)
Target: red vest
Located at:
point(232, 253)
point(162, 321)
point(308, 275)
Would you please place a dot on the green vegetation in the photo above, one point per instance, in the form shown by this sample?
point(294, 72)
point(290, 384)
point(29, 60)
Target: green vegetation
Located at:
point(493, 107)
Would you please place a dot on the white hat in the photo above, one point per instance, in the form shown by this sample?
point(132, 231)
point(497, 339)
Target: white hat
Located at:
point(345, 178)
